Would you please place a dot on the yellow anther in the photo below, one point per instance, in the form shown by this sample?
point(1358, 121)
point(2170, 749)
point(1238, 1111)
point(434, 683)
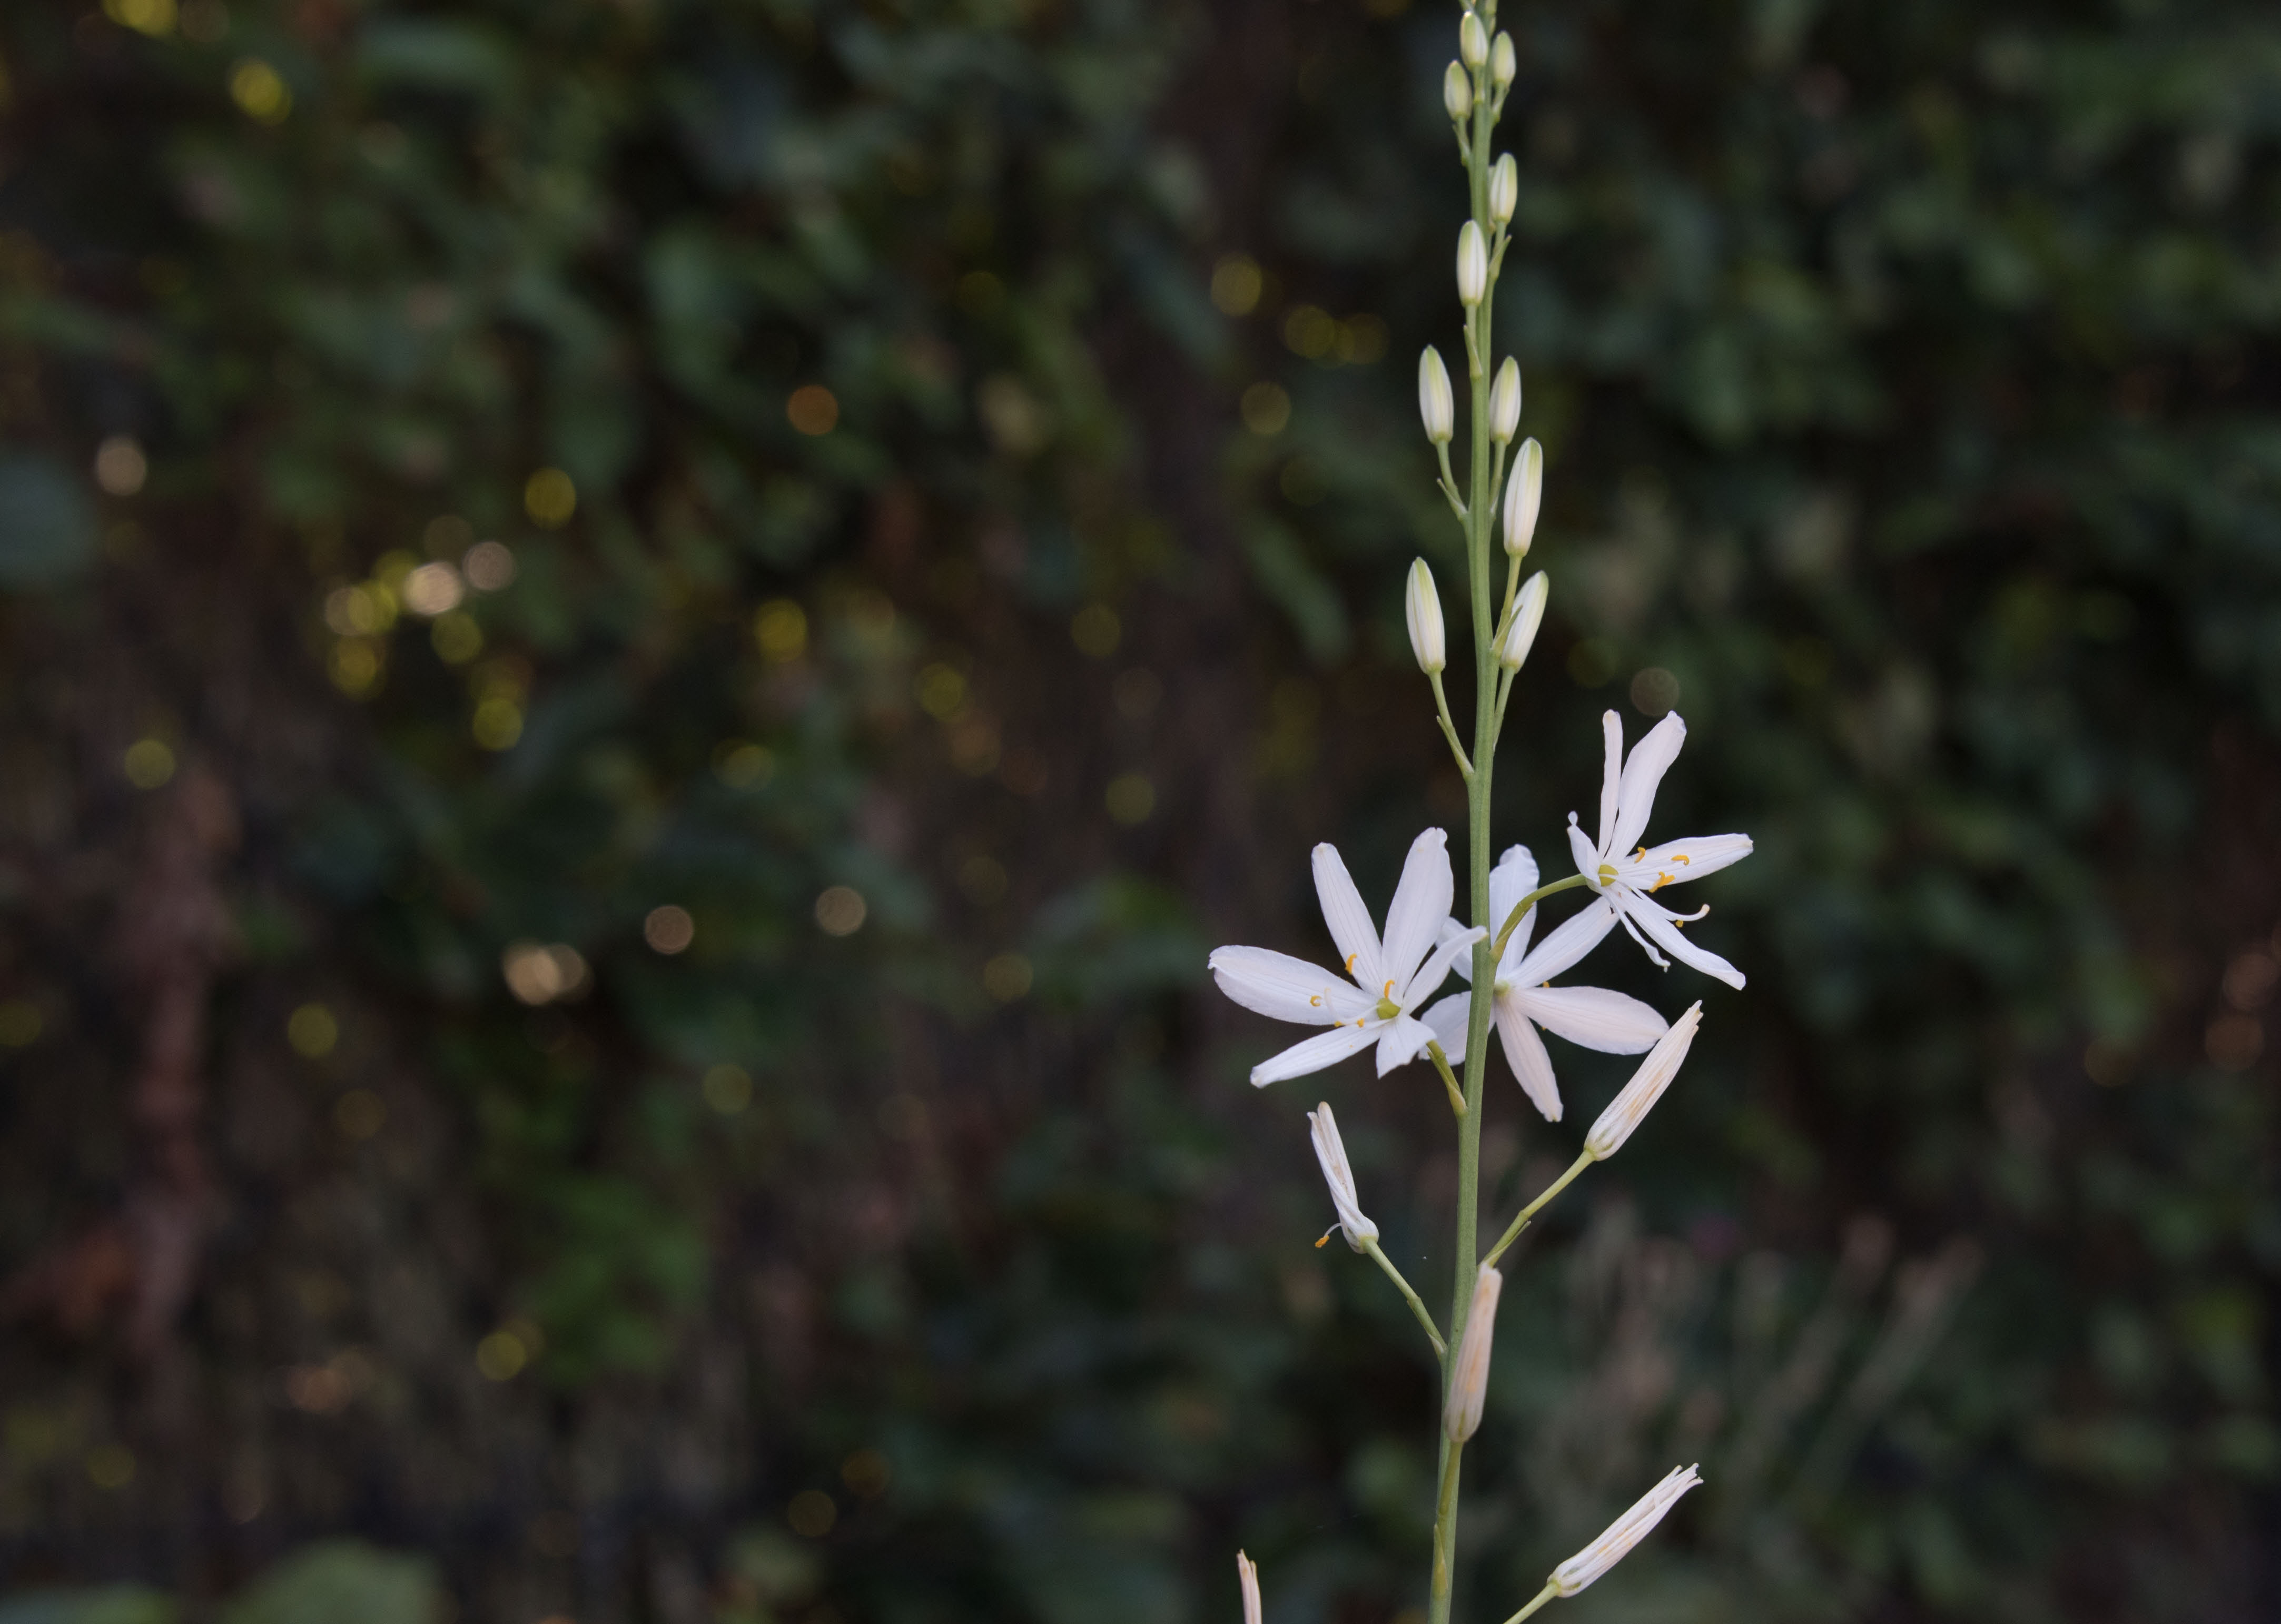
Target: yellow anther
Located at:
point(1317, 1000)
point(1351, 958)
point(1661, 880)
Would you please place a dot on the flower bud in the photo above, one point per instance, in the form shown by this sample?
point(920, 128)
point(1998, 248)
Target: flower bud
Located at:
point(1458, 92)
point(1616, 1543)
point(1421, 608)
point(1504, 191)
point(1473, 266)
point(1472, 41)
point(1469, 1374)
point(1435, 404)
point(1503, 63)
point(1637, 1097)
point(1504, 402)
point(1528, 615)
point(1524, 494)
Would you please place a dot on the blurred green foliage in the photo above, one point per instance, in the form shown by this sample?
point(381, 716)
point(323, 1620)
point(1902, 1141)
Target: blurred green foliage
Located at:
point(755, 581)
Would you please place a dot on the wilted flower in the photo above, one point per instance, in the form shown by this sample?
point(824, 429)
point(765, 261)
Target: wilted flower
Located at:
point(1626, 797)
point(1469, 1372)
point(1324, 1130)
point(1626, 1531)
point(1637, 1097)
point(1390, 978)
point(1246, 1574)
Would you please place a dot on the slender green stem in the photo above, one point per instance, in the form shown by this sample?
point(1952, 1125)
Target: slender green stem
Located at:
point(1445, 1530)
point(1450, 486)
point(1512, 1232)
point(1520, 910)
point(1448, 1079)
point(1440, 1348)
point(1542, 1597)
point(1479, 545)
point(1448, 728)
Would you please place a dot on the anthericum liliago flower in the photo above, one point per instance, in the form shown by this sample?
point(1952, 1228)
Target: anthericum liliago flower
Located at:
point(1627, 796)
point(1524, 998)
point(1390, 978)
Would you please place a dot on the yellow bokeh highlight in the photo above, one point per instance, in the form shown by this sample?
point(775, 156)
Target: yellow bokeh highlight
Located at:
point(259, 91)
point(498, 723)
point(550, 497)
point(456, 637)
point(312, 1031)
point(781, 630)
point(148, 763)
point(155, 18)
point(1236, 285)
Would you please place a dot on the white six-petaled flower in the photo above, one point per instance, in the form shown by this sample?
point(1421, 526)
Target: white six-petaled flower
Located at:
point(1323, 1128)
point(1524, 999)
point(1628, 883)
point(1617, 1540)
point(1390, 978)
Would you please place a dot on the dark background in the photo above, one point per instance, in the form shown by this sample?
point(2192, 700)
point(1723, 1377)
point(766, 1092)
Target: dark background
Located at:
point(1907, 378)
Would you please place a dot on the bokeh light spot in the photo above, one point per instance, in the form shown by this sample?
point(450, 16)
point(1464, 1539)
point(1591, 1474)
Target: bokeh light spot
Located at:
point(433, 589)
point(550, 497)
point(456, 638)
point(812, 1513)
point(813, 409)
point(841, 911)
point(312, 1031)
point(540, 973)
point(148, 763)
point(20, 1024)
point(1130, 798)
point(496, 723)
point(1096, 630)
point(490, 566)
point(727, 1089)
point(501, 1356)
point(1236, 285)
point(669, 929)
point(259, 92)
point(120, 467)
point(1007, 976)
point(780, 628)
point(1266, 409)
point(359, 1113)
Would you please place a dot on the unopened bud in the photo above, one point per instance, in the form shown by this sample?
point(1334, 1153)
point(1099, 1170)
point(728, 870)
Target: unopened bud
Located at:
point(1421, 608)
point(1528, 615)
point(1435, 404)
point(1503, 63)
point(1472, 41)
point(1469, 1374)
point(1637, 1097)
point(1504, 191)
point(1524, 494)
point(1504, 402)
point(1473, 266)
point(1458, 92)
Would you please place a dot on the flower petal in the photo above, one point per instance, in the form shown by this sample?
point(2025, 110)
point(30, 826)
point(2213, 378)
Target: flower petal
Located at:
point(1349, 919)
point(1448, 1020)
point(1288, 989)
point(1435, 970)
point(1569, 941)
point(1421, 902)
point(1650, 760)
point(1401, 1040)
point(1611, 730)
point(1675, 860)
point(1593, 1018)
point(1586, 855)
point(1464, 963)
point(1658, 928)
point(1524, 1051)
point(1514, 878)
point(1324, 1049)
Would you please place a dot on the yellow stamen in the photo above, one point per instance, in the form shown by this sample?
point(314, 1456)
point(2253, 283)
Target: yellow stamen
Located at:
point(1351, 958)
point(1661, 880)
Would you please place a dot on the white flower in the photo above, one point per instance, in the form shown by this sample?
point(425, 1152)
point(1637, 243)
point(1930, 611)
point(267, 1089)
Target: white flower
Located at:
point(1523, 998)
point(1324, 1130)
point(1626, 1531)
point(1626, 797)
point(1638, 1096)
point(1390, 978)
point(1421, 611)
point(1246, 1574)
point(1469, 1375)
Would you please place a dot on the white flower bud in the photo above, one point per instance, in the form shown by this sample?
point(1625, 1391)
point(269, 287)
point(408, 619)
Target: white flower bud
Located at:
point(1458, 93)
point(1473, 266)
point(1626, 1531)
point(1469, 1374)
point(1637, 1097)
point(1324, 1130)
point(1503, 63)
point(1504, 191)
point(1504, 402)
point(1524, 494)
point(1528, 615)
point(1246, 1574)
point(1472, 41)
point(1435, 404)
point(1421, 608)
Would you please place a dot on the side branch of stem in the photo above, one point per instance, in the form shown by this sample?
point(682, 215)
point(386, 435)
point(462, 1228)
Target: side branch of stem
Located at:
point(1417, 1307)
